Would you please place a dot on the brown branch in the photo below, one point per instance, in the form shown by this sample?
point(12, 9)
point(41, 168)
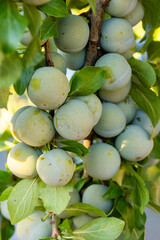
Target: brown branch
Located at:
point(96, 22)
point(49, 61)
point(54, 227)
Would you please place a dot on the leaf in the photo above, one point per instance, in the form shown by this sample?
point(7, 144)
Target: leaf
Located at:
point(155, 154)
point(65, 227)
point(34, 18)
point(55, 8)
point(83, 150)
point(33, 54)
point(55, 199)
point(147, 101)
point(49, 28)
point(22, 199)
point(101, 229)
point(12, 26)
point(154, 207)
point(4, 95)
point(10, 69)
point(21, 85)
point(6, 193)
point(87, 81)
point(80, 183)
point(72, 149)
point(154, 50)
point(84, 208)
point(92, 4)
point(6, 135)
point(6, 178)
point(143, 71)
point(6, 145)
point(6, 229)
point(140, 194)
point(113, 191)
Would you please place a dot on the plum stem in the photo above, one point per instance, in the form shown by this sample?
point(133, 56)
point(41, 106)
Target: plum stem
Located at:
point(49, 61)
point(96, 22)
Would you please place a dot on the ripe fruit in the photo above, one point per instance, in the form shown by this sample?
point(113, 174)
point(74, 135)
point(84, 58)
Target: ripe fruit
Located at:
point(21, 161)
point(129, 109)
point(74, 61)
point(74, 120)
point(59, 61)
point(120, 8)
point(112, 120)
point(94, 104)
point(103, 161)
point(115, 96)
point(93, 196)
point(32, 227)
point(142, 119)
point(116, 35)
point(4, 209)
point(134, 143)
point(36, 2)
point(118, 71)
point(34, 127)
point(136, 15)
point(55, 167)
point(75, 198)
point(48, 88)
point(73, 34)
point(80, 220)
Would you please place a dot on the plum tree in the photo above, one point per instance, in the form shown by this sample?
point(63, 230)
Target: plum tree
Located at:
point(48, 88)
point(118, 71)
point(112, 120)
point(115, 96)
point(116, 35)
point(74, 61)
point(94, 105)
point(75, 198)
point(73, 34)
point(32, 227)
point(55, 167)
point(21, 161)
point(134, 143)
point(34, 127)
point(103, 161)
point(120, 8)
point(4, 209)
point(136, 15)
point(142, 119)
point(97, 199)
point(129, 109)
point(80, 220)
point(74, 120)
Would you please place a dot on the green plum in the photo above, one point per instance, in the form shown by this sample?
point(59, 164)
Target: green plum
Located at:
point(4, 210)
point(80, 220)
point(136, 15)
point(129, 109)
point(36, 2)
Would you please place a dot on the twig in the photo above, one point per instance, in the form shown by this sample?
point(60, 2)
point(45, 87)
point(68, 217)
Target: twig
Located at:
point(49, 61)
point(54, 226)
point(96, 22)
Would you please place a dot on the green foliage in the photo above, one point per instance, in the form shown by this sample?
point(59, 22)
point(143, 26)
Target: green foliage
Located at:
point(6, 193)
point(4, 95)
point(113, 191)
point(80, 183)
point(59, 195)
point(6, 229)
point(65, 227)
point(49, 28)
point(22, 199)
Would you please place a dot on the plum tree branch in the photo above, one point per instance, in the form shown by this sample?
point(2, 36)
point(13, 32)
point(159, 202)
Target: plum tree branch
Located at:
point(96, 22)
point(54, 227)
point(49, 61)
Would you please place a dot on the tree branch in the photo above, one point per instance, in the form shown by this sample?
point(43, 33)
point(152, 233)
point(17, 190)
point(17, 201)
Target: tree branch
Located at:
point(49, 61)
point(54, 227)
point(96, 22)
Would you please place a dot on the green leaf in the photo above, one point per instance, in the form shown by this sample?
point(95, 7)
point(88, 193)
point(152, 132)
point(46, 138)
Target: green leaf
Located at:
point(6, 145)
point(113, 191)
point(72, 149)
point(140, 194)
point(21, 85)
point(4, 95)
point(84, 208)
point(154, 51)
point(6, 178)
point(87, 81)
point(6, 193)
point(23, 199)
point(55, 8)
point(143, 71)
point(33, 54)
point(155, 154)
point(83, 150)
point(101, 229)
point(154, 207)
point(92, 4)
point(10, 69)
point(80, 183)
point(6, 229)
point(6, 135)
point(49, 28)
point(147, 101)
point(12, 26)
point(55, 199)
point(65, 227)
point(34, 18)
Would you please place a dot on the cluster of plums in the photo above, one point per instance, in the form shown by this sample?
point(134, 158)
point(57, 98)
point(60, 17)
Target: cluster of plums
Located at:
point(110, 112)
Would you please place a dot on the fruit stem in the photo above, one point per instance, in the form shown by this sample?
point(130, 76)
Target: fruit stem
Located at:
point(44, 219)
point(49, 61)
